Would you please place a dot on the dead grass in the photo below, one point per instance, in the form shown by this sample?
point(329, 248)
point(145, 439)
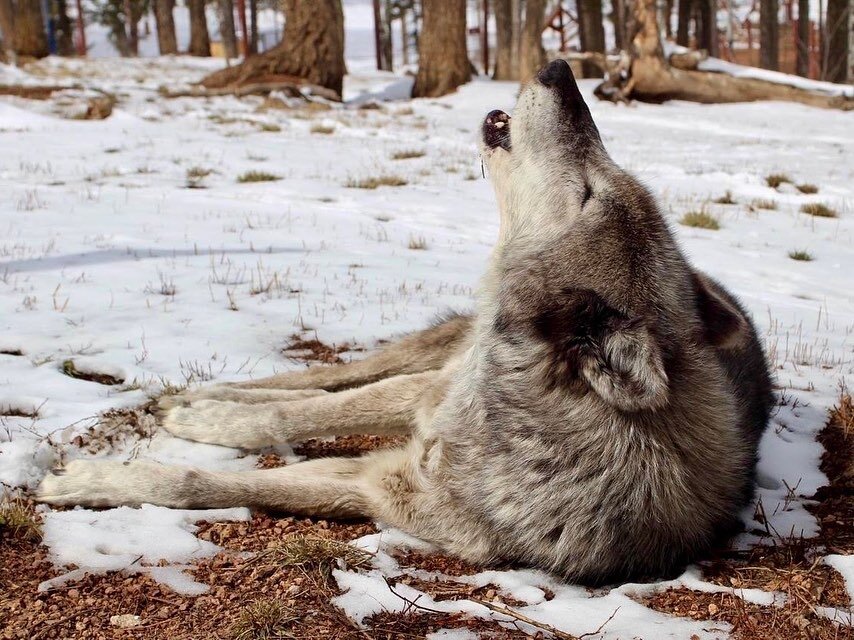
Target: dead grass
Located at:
point(269, 127)
point(700, 220)
point(774, 180)
point(314, 350)
point(264, 619)
point(257, 176)
point(761, 203)
point(408, 154)
point(195, 177)
point(323, 129)
point(11, 352)
point(800, 255)
point(819, 210)
point(725, 199)
point(807, 188)
point(18, 520)
point(417, 243)
point(386, 180)
point(71, 370)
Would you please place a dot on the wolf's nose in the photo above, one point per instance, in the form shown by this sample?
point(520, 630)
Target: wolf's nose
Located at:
point(555, 73)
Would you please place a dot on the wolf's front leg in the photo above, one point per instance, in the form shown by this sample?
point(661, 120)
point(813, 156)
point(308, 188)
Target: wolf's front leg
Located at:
point(392, 406)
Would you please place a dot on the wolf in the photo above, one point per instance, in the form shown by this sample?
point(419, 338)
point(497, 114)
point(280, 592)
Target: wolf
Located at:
point(598, 417)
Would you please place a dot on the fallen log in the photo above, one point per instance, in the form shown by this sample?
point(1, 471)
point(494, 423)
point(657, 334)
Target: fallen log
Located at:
point(291, 88)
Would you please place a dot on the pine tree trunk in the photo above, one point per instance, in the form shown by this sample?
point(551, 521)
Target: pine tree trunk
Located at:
point(768, 35)
point(837, 40)
point(591, 32)
point(683, 26)
point(132, 27)
point(532, 56)
point(166, 40)
point(30, 38)
point(443, 63)
point(312, 50)
point(200, 43)
point(504, 67)
point(707, 31)
point(226, 27)
point(803, 39)
point(64, 30)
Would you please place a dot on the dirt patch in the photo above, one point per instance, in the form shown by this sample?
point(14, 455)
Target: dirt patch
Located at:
point(115, 427)
point(347, 445)
point(71, 370)
point(11, 352)
point(314, 350)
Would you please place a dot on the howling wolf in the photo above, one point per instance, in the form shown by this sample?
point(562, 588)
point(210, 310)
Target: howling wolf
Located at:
point(598, 417)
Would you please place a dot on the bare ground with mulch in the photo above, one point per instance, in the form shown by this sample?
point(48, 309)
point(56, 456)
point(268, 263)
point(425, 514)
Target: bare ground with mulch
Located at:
point(282, 587)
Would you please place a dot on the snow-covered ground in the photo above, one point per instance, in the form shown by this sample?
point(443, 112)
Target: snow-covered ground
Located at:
point(110, 261)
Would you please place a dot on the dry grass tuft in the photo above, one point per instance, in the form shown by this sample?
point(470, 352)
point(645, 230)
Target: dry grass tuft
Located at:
point(388, 180)
point(408, 154)
point(800, 255)
point(18, 520)
point(257, 176)
point(195, 177)
point(417, 243)
point(264, 619)
point(774, 180)
point(761, 203)
point(700, 220)
point(323, 129)
point(315, 553)
point(725, 199)
point(269, 127)
point(819, 210)
point(807, 188)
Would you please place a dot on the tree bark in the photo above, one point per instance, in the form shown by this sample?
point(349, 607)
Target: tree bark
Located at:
point(200, 42)
point(225, 9)
point(591, 33)
point(132, 20)
point(803, 40)
point(837, 40)
point(64, 30)
point(532, 56)
point(30, 38)
point(253, 26)
point(7, 26)
point(707, 29)
point(683, 26)
point(769, 39)
point(443, 63)
point(504, 67)
point(312, 50)
point(166, 40)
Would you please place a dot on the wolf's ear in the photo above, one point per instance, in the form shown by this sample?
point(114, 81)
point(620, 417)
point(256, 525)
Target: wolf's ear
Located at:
point(724, 325)
point(626, 368)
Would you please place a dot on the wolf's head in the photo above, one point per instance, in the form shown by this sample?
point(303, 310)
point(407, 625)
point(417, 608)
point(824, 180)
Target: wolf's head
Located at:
point(588, 262)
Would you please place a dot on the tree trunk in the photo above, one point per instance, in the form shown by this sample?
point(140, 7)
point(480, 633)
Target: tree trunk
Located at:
point(132, 20)
point(64, 30)
point(7, 26)
point(591, 33)
point(443, 63)
point(312, 50)
point(803, 40)
point(707, 29)
point(683, 26)
point(645, 75)
point(504, 67)
point(253, 26)
point(837, 40)
point(30, 38)
point(225, 9)
point(532, 56)
point(200, 42)
point(769, 38)
point(166, 40)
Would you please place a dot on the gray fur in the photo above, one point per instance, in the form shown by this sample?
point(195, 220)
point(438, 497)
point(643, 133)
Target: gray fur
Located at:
point(598, 417)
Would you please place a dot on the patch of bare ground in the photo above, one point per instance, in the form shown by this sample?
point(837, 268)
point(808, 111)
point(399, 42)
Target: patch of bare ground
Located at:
point(313, 350)
point(792, 566)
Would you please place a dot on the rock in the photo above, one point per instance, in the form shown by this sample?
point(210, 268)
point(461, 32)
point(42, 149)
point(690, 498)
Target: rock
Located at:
point(125, 621)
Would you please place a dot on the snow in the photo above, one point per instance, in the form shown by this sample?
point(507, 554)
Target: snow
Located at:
point(108, 259)
point(741, 71)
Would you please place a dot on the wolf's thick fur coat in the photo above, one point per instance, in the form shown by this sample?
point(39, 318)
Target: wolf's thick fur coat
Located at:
point(598, 417)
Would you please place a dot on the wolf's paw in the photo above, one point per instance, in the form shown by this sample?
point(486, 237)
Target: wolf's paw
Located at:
point(93, 483)
point(229, 424)
point(227, 393)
